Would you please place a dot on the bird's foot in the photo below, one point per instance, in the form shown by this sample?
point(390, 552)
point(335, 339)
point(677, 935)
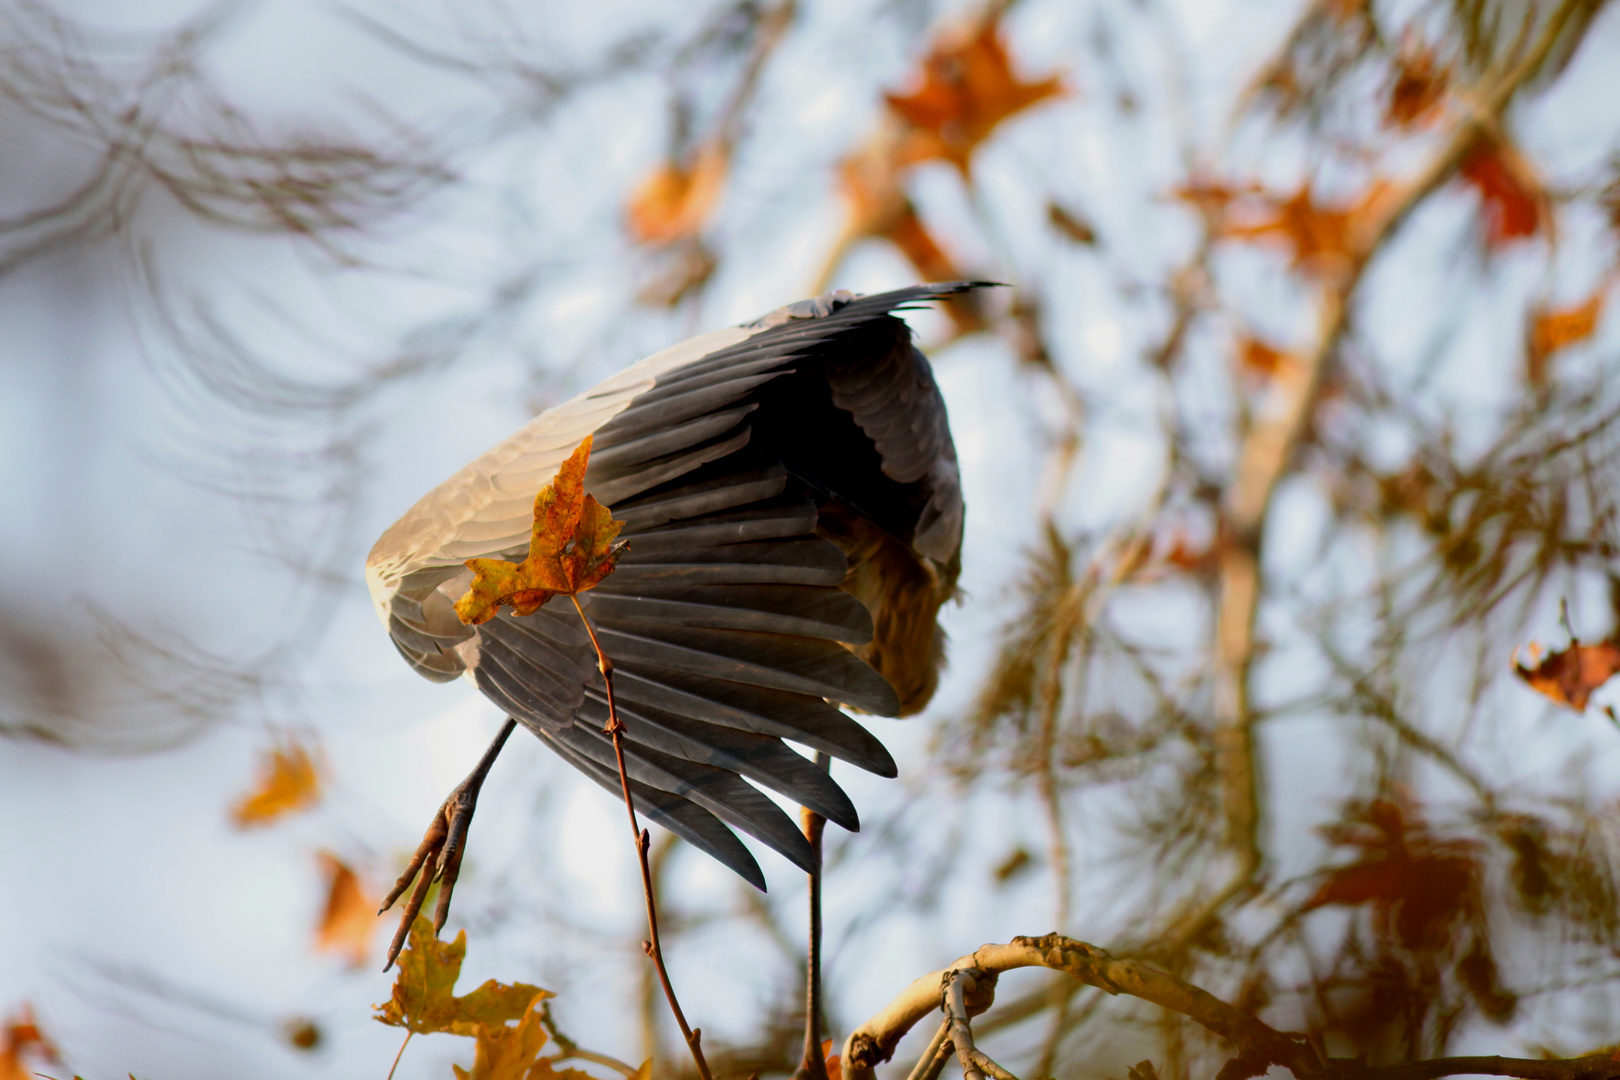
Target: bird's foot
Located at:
point(438, 856)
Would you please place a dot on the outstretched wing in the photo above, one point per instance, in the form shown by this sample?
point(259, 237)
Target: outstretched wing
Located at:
point(728, 620)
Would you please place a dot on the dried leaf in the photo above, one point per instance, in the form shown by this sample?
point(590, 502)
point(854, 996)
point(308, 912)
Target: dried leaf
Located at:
point(1255, 357)
point(1070, 224)
point(835, 1064)
point(1421, 887)
point(1323, 239)
point(1552, 329)
point(423, 999)
point(966, 88)
point(1570, 675)
point(288, 782)
point(571, 549)
point(1418, 89)
point(21, 1038)
point(350, 914)
point(508, 1053)
point(301, 1033)
point(1511, 197)
point(674, 202)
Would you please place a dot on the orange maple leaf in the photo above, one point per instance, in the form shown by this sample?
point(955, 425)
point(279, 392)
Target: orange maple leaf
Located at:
point(424, 998)
point(288, 782)
point(1570, 675)
point(1323, 239)
point(350, 915)
point(1510, 195)
point(966, 88)
point(571, 549)
point(1552, 329)
point(676, 199)
point(19, 1038)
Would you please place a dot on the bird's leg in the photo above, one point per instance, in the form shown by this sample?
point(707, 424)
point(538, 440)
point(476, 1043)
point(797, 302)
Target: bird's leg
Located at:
point(814, 1065)
point(438, 856)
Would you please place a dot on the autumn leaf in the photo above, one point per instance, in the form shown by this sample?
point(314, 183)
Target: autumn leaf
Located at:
point(1417, 90)
point(676, 199)
point(424, 1000)
point(1510, 195)
point(1570, 675)
point(1552, 329)
point(1070, 224)
point(1255, 357)
point(508, 1053)
point(350, 915)
point(21, 1038)
point(965, 89)
point(1323, 239)
point(571, 549)
point(1419, 886)
point(835, 1064)
point(287, 783)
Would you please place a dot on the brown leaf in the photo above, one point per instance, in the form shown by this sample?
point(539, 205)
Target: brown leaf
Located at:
point(1255, 357)
point(1418, 89)
point(1511, 197)
point(966, 88)
point(288, 783)
point(1552, 329)
point(1070, 224)
point(349, 916)
point(674, 202)
point(1570, 676)
point(423, 999)
point(1323, 239)
point(571, 549)
point(22, 1039)
point(1420, 887)
point(835, 1064)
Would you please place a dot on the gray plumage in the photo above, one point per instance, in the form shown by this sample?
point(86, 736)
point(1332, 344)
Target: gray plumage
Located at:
point(794, 516)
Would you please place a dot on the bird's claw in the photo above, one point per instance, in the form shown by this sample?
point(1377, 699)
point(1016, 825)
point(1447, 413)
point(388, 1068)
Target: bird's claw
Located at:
point(437, 858)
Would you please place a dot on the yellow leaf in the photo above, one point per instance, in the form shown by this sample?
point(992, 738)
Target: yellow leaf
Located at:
point(571, 549)
point(287, 783)
point(424, 1000)
point(1552, 329)
point(350, 915)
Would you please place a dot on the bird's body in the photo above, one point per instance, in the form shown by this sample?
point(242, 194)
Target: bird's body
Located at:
point(793, 515)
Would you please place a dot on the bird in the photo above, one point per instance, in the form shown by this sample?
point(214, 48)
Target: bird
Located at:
point(793, 518)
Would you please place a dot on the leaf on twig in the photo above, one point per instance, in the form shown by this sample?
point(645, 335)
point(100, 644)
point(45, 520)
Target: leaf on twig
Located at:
point(21, 1038)
point(1255, 357)
point(675, 201)
point(424, 1000)
point(1420, 886)
point(1571, 675)
point(288, 782)
point(1511, 197)
point(508, 1053)
point(835, 1064)
point(1417, 90)
point(571, 549)
point(1322, 238)
point(349, 916)
point(965, 89)
point(1071, 224)
point(1552, 329)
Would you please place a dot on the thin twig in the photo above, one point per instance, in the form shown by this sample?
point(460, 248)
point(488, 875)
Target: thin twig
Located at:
point(615, 728)
point(568, 1049)
point(976, 1065)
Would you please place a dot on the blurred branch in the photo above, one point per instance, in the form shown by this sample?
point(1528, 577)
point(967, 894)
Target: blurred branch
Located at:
point(1267, 449)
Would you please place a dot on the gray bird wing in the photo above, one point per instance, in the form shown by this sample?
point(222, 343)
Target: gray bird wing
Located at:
point(725, 619)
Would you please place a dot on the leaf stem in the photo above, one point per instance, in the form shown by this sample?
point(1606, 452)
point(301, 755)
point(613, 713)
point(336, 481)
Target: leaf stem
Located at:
point(615, 728)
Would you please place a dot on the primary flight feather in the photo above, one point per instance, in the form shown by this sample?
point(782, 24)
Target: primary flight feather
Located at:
point(793, 516)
